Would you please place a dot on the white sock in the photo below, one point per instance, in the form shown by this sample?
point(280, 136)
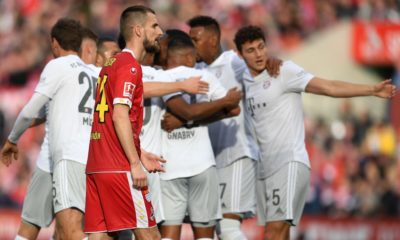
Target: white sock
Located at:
point(18, 237)
point(230, 230)
point(204, 239)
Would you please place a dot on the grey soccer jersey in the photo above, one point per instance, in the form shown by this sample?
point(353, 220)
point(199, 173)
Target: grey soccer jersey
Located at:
point(276, 110)
point(231, 138)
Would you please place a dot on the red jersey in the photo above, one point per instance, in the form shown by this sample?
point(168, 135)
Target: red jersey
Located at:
point(119, 82)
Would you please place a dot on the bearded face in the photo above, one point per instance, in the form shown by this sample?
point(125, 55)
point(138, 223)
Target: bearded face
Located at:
point(151, 46)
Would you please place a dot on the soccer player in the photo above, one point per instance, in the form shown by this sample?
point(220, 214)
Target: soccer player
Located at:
point(117, 197)
point(190, 182)
point(275, 107)
point(234, 146)
point(88, 52)
point(66, 86)
point(106, 48)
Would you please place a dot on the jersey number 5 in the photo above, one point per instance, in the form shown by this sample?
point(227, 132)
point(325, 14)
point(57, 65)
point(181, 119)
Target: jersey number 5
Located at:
point(102, 106)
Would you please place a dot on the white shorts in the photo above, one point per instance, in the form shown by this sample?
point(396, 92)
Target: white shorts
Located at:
point(156, 196)
point(237, 187)
point(282, 196)
point(38, 204)
point(69, 184)
point(196, 195)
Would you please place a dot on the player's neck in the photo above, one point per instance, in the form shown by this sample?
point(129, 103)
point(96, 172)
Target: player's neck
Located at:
point(63, 53)
point(137, 49)
point(214, 56)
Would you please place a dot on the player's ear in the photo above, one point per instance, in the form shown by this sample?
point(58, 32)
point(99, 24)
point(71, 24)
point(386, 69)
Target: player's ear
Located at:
point(214, 40)
point(138, 30)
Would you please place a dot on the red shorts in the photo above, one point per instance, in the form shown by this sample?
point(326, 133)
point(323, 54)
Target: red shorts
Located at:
point(112, 204)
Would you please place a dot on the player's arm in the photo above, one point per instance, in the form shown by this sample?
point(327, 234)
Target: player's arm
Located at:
point(178, 106)
point(123, 128)
point(40, 119)
point(23, 122)
point(191, 85)
point(341, 89)
point(171, 122)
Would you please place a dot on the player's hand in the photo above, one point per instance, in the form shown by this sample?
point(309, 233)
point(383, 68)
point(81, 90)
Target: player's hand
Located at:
point(385, 89)
point(273, 66)
point(170, 122)
point(233, 112)
point(9, 152)
point(232, 98)
point(195, 86)
point(152, 162)
point(139, 177)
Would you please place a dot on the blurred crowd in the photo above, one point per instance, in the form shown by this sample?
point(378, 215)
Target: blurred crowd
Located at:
point(354, 159)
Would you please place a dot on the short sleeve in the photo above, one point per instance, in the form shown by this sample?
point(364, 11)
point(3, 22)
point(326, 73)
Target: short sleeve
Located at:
point(294, 77)
point(239, 67)
point(127, 78)
point(50, 79)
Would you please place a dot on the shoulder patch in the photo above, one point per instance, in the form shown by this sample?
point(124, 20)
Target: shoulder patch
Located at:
point(109, 62)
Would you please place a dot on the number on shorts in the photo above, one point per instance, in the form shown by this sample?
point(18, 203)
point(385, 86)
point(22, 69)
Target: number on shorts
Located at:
point(275, 197)
point(223, 187)
point(147, 111)
point(54, 189)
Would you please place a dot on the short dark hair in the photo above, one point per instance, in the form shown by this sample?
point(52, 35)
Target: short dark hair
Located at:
point(102, 40)
point(133, 15)
point(248, 34)
point(68, 33)
point(179, 40)
point(206, 22)
point(87, 33)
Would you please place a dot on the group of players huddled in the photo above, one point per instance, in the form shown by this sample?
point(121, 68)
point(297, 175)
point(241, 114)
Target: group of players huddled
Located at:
point(166, 128)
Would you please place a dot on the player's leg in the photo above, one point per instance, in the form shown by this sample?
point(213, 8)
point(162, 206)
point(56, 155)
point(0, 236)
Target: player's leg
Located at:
point(175, 200)
point(146, 233)
point(237, 192)
point(121, 206)
point(37, 211)
point(204, 203)
point(281, 199)
point(69, 201)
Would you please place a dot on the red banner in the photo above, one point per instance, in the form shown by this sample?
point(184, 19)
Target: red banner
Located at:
point(376, 43)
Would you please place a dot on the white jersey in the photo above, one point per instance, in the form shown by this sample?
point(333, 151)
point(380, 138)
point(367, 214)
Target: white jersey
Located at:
point(44, 160)
point(231, 138)
point(188, 151)
point(70, 84)
point(150, 136)
point(276, 110)
point(95, 69)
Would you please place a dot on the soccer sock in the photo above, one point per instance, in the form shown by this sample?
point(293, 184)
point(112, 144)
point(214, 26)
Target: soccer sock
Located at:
point(18, 237)
point(204, 239)
point(229, 229)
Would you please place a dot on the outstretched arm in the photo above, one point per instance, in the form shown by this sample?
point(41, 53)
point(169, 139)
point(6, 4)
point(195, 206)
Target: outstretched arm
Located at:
point(341, 89)
point(24, 120)
point(191, 85)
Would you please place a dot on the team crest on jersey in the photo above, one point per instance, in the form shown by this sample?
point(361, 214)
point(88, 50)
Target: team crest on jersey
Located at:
point(128, 89)
point(133, 70)
point(267, 84)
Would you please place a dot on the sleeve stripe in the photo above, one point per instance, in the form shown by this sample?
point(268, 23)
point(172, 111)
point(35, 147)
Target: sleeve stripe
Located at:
point(122, 101)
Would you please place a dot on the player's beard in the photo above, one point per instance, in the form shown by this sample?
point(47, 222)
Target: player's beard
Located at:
point(151, 47)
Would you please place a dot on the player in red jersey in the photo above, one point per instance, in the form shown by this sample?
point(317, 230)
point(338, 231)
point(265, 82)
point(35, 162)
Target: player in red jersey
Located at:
point(116, 184)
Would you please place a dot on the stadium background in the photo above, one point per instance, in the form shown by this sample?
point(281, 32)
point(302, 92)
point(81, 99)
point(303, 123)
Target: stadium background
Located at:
point(353, 144)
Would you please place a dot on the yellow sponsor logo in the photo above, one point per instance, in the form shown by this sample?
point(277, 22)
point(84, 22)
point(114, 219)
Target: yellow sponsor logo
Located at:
point(95, 136)
point(109, 62)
